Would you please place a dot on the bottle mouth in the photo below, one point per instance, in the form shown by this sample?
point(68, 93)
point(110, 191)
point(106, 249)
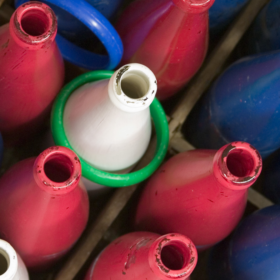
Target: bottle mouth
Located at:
point(133, 87)
point(8, 260)
point(35, 23)
point(240, 163)
point(174, 256)
point(57, 169)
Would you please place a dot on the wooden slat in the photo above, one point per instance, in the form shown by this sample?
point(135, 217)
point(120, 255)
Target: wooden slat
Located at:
point(214, 64)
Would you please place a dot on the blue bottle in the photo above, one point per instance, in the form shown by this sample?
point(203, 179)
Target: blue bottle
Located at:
point(221, 15)
point(264, 34)
point(253, 250)
point(243, 105)
point(75, 31)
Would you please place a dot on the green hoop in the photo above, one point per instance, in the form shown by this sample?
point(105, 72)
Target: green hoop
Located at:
point(96, 175)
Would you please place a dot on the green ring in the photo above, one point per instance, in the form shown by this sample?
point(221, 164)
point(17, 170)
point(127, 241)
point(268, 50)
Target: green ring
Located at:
point(96, 175)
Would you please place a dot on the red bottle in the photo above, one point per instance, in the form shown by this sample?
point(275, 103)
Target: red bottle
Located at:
point(145, 255)
point(168, 36)
point(200, 193)
point(31, 70)
point(43, 207)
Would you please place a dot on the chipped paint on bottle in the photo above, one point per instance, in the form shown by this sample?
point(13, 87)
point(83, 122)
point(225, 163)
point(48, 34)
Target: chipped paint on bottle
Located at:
point(31, 70)
point(108, 122)
point(201, 194)
point(145, 255)
point(43, 200)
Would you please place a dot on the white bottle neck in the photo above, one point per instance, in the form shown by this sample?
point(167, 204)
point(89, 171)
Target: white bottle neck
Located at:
point(8, 261)
point(133, 87)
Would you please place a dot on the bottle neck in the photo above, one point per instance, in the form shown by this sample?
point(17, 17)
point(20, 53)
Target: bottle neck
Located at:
point(237, 165)
point(133, 87)
point(8, 261)
point(194, 6)
point(57, 170)
point(172, 256)
point(33, 26)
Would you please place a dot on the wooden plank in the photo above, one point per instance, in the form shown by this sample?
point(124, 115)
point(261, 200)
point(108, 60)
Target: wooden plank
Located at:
point(214, 64)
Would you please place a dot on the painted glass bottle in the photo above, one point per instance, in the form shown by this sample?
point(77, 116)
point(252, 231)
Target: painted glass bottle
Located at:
point(263, 36)
point(252, 252)
point(11, 264)
point(31, 70)
point(222, 13)
point(201, 194)
point(72, 29)
point(108, 122)
point(168, 36)
point(243, 105)
point(43, 207)
point(145, 255)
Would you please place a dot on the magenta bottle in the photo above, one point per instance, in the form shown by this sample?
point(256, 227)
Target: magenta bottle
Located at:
point(43, 207)
point(201, 194)
point(31, 70)
point(168, 36)
point(145, 255)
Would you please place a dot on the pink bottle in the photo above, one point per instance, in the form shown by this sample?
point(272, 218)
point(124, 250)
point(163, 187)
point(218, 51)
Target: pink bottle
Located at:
point(145, 255)
point(31, 70)
point(200, 193)
point(43, 208)
point(168, 36)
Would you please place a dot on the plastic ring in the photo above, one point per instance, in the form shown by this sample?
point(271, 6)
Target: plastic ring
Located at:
point(99, 25)
point(96, 175)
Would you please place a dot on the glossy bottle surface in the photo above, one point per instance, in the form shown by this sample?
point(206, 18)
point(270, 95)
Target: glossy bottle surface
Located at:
point(222, 13)
point(252, 252)
point(263, 36)
point(201, 194)
point(31, 70)
point(43, 207)
point(108, 122)
point(169, 37)
point(11, 264)
point(243, 105)
point(145, 255)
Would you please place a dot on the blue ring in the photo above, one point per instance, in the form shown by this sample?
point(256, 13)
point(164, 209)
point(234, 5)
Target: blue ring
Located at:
point(99, 25)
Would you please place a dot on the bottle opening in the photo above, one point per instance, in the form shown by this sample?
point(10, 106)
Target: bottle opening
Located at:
point(35, 22)
point(58, 168)
point(240, 163)
point(135, 84)
point(175, 256)
point(4, 264)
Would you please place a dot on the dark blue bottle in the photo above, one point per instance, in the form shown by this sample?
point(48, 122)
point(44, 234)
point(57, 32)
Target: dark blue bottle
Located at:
point(253, 250)
point(222, 13)
point(243, 105)
point(264, 34)
point(72, 29)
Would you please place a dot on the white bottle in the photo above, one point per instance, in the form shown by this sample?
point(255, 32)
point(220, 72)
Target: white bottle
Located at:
point(108, 122)
point(11, 264)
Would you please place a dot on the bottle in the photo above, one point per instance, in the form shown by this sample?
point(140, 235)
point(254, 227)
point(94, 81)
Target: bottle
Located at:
point(75, 31)
point(31, 70)
point(252, 252)
point(145, 255)
point(168, 36)
point(108, 122)
point(43, 207)
point(221, 14)
point(201, 194)
point(11, 264)
point(242, 105)
point(263, 35)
